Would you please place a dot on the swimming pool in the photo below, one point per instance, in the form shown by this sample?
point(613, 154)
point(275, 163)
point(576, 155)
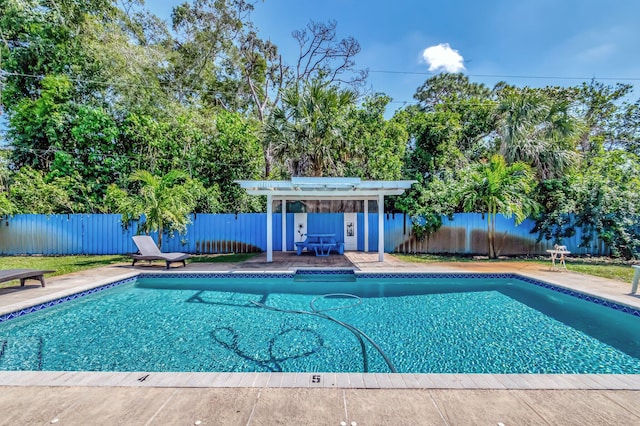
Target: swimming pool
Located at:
point(420, 323)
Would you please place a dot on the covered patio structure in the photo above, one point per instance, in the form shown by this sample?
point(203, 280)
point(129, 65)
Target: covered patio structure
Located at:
point(325, 188)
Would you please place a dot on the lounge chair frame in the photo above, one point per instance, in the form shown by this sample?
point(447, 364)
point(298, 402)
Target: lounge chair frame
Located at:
point(23, 275)
point(148, 250)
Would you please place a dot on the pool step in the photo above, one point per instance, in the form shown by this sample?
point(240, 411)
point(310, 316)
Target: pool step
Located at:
point(324, 275)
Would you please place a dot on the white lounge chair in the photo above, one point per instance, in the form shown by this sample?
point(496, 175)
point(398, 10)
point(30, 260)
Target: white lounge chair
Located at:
point(23, 275)
point(148, 250)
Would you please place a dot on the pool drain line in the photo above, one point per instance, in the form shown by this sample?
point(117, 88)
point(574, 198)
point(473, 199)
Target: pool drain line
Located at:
point(355, 330)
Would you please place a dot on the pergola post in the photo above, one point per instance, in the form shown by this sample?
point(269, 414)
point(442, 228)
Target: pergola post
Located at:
point(284, 226)
point(380, 228)
point(269, 228)
point(366, 226)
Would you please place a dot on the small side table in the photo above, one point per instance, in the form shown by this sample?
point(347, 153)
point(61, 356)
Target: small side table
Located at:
point(558, 255)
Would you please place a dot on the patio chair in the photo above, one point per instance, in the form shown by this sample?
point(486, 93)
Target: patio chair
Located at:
point(148, 250)
point(23, 275)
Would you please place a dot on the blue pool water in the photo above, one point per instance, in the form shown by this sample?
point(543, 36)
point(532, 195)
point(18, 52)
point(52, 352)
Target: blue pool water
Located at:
point(421, 325)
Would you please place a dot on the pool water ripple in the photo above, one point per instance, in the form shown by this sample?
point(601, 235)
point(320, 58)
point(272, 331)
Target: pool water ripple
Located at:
point(488, 325)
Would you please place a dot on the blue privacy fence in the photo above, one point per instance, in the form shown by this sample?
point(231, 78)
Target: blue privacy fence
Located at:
point(246, 232)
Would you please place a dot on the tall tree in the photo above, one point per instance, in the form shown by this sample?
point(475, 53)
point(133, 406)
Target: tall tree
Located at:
point(215, 147)
point(32, 192)
point(40, 125)
point(607, 192)
point(445, 87)
point(264, 72)
point(130, 57)
point(375, 146)
point(307, 132)
point(6, 206)
point(443, 136)
point(602, 107)
point(627, 129)
point(204, 68)
point(74, 70)
point(473, 104)
point(322, 56)
point(537, 127)
point(40, 38)
point(433, 139)
point(230, 150)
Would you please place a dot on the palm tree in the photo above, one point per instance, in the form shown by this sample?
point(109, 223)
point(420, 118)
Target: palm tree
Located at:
point(165, 201)
point(536, 127)
point(306, 132)
point(495, 187)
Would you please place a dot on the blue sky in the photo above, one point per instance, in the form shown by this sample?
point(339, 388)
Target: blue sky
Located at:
point(555, 42)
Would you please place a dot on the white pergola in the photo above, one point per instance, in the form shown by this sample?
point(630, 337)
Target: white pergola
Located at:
point(321, 188)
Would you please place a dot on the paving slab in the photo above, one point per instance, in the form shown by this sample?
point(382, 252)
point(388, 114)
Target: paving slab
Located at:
point(299, 407)
point(208, 406)
point(630, 400)
point(78, 405)
point(484, 407)
point(398, 407)
point(577, 407)
point(24, 405)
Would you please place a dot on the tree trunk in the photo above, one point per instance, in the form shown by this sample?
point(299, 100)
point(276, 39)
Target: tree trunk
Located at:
point(489, 235)
point(160, 236)
point(491, 232)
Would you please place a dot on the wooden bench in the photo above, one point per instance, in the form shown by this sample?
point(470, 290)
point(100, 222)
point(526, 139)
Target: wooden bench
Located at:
point(23, 275)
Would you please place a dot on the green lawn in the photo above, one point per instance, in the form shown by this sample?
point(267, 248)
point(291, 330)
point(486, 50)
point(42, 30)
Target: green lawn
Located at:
point(61, 264)
point(599, 267)
point(66, 264)
point(612, 271)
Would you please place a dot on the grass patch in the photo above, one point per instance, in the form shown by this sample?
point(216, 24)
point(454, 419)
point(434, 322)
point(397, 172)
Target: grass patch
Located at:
point(612, 271)
point(67, 264)
point(597, 266)
point(60, 264)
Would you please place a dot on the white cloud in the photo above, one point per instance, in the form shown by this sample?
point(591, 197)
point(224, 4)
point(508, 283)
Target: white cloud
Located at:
point(443, 58)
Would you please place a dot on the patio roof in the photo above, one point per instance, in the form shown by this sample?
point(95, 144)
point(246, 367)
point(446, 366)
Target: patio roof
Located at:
point(325, 188)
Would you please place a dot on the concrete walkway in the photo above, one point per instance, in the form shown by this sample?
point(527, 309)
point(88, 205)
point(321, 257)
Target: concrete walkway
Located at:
point(276, 398)
point(268, 406)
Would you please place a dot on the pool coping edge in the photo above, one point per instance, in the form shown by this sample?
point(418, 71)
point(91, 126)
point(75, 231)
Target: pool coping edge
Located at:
point(322, 380)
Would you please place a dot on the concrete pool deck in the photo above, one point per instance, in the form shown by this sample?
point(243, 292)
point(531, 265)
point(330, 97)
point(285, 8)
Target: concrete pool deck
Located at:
point(303, 398)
